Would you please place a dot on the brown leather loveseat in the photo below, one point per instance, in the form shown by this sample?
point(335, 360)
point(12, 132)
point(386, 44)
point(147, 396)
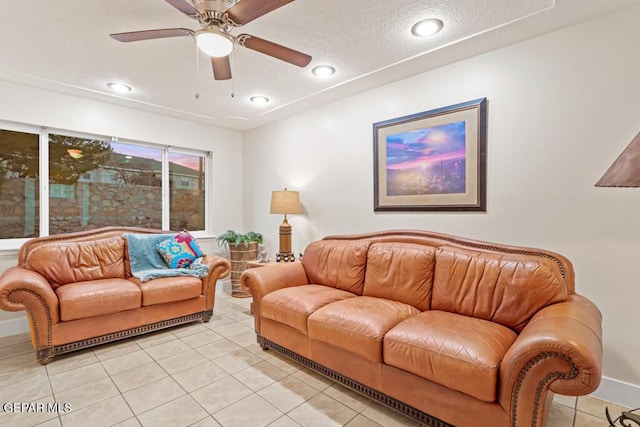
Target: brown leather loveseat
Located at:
point(447, 330)
point(78, 291)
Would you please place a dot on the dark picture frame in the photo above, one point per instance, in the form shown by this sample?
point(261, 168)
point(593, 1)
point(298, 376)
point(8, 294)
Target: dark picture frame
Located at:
point(432, 161)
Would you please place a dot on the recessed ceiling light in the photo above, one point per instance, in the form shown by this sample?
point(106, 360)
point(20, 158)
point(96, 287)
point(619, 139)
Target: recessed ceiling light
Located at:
point(323, 71)
point(259, 100)
point(119, 87)
point(427, 27)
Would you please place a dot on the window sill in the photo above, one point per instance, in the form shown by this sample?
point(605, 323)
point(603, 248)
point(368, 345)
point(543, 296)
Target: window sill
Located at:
point(8, 254)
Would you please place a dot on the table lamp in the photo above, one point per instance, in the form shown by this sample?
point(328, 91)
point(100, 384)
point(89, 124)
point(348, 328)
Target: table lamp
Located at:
point(285, 202)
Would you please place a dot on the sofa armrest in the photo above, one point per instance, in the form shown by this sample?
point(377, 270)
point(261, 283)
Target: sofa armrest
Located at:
point(219, 268)
point(22, 289)
point(258, 282)
point(559, 350)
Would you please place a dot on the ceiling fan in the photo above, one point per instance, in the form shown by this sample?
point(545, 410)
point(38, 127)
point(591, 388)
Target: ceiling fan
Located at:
point(218, 18)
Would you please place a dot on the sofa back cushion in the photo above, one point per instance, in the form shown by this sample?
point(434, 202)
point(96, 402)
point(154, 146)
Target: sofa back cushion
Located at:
point(401, 272)
point(505, 288)
point(62, 263)
point(337, 263)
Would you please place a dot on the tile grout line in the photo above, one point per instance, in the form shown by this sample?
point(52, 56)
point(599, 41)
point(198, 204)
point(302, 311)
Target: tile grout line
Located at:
point(53, 393)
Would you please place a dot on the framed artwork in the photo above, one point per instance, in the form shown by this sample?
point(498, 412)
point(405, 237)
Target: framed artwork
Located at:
point(432, 161)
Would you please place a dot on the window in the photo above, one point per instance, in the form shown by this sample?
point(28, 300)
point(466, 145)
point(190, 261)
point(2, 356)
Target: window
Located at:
point(62, 191)
point(19, 184)
point(124, 185)
point(94, 182)
point(186, 175)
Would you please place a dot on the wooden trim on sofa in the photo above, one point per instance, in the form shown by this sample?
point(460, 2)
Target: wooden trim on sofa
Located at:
point(44, 355)
point(379, 397)
point(542, 386)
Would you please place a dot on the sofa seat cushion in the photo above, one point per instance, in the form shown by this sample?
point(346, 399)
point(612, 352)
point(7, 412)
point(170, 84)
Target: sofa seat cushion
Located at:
point(358, 324)
point(459, 352)
point(292, 306)
point(97, 297)
point(168, 289)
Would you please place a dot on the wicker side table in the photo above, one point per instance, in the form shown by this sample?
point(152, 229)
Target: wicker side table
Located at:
point(241, 254)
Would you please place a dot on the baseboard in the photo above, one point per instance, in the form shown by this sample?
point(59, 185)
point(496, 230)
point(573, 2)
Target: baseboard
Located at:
point(13, 326)
point(619, 392)
point(224, 285)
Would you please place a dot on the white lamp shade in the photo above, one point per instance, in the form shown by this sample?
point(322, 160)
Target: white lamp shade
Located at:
point(213, 43)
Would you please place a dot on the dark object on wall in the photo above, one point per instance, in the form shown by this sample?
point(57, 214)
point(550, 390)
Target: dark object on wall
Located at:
point(625, 171)
point(432, 161)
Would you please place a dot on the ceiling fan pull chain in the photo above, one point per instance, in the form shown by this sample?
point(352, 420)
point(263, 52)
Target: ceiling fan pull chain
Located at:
point(197, 95)
point(233, 91)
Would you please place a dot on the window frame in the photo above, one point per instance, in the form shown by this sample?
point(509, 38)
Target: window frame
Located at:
point(43, 135)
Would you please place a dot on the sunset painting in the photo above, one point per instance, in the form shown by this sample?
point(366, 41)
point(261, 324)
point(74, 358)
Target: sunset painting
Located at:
point(427, 161)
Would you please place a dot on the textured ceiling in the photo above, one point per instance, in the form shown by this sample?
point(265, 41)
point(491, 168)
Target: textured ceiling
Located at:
point(64, 45)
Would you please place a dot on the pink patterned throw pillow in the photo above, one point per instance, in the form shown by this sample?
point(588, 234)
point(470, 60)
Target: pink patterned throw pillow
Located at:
point(180, 250)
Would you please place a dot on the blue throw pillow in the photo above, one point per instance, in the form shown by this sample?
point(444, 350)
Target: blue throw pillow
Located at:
point(180, 250)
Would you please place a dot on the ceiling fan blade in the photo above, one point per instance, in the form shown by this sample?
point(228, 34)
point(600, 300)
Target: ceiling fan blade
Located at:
point(184, 7)
point(221, 68)
point(273, 49)
point(247, 10)
point(135, 36)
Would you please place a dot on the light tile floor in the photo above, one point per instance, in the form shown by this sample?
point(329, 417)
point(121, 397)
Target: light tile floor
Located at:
point(202, 375)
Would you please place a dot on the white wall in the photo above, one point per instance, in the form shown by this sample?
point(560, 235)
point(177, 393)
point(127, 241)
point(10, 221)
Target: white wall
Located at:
point(29, 105)
point(561, 108)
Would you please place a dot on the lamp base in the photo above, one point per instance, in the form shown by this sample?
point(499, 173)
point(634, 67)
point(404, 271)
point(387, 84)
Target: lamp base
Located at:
point(285, 257)
point(285, 254)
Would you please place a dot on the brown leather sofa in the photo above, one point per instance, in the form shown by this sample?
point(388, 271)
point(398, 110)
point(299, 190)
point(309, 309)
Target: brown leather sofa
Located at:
point(78, 291)
point(447, 330)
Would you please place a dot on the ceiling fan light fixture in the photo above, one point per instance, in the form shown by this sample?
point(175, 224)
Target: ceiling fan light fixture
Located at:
point(74, 153)
point(259, 100)
point(119, 87)
point(214, 43)
point(427, 27)
point(323, 71)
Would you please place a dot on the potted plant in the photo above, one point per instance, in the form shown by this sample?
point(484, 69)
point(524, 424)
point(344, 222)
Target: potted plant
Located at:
point(231, 238)
point(242, 248)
